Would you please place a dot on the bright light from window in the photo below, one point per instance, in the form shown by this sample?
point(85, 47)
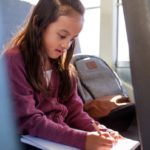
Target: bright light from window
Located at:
point(123, 49)
point(86, 3)
point(89, 37)
point(33, 2)
point(91, 3)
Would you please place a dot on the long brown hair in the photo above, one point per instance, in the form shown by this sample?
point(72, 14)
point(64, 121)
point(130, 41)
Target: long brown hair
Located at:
point(29, 41)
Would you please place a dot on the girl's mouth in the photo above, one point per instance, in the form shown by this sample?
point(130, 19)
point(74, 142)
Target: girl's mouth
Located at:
point(59, 51)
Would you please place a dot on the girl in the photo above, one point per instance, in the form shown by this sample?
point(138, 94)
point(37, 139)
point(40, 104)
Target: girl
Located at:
point(43, 83)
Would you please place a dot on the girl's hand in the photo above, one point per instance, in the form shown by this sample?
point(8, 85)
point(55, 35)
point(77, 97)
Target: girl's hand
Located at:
point(115, 134)
point(94, 141)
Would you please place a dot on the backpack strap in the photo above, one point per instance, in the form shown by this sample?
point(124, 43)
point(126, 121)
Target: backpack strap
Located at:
point(84, 92)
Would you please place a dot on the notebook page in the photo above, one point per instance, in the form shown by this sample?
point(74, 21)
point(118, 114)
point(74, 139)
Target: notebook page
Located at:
point(124, 144)
point(45, 144)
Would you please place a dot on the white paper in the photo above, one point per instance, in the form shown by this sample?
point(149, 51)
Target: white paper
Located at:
point(45, 144)
point(124, 144)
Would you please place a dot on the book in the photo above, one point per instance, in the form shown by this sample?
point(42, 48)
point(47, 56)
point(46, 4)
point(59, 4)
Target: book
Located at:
point(123, 144)
point(126, 144)
point(45, 144)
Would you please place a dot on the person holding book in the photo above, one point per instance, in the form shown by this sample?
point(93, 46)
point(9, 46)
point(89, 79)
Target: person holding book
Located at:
point(43, 82)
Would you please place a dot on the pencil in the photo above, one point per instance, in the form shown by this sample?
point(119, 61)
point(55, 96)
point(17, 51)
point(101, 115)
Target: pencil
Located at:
point(96, 127)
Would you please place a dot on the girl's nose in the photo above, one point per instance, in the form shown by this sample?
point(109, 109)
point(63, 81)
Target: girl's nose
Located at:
point(66, 44)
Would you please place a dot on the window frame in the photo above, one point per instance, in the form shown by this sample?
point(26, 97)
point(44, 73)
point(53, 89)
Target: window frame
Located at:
point(119, 64)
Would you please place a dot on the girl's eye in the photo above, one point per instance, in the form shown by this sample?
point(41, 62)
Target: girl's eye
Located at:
point(72, 39)
point(62, 36)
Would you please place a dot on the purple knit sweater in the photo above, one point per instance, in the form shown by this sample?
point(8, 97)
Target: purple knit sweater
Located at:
point(46, 117)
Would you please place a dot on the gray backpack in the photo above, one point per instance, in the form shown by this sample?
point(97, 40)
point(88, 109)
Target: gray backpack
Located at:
point(96, 79)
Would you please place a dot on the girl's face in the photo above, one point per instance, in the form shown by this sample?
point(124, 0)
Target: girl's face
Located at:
point(59, 35)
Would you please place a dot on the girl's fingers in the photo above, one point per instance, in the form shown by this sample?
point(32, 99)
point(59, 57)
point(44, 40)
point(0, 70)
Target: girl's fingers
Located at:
point(107, 140)
point(116, 136)
point(112, 135)
point(105, 134)
point(105, 147)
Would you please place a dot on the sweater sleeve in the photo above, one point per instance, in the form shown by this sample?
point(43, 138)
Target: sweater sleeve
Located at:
point(31, 119)
point(77, 118)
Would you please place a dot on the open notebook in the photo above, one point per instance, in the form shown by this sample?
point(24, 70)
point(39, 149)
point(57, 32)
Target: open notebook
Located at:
point(125, 144)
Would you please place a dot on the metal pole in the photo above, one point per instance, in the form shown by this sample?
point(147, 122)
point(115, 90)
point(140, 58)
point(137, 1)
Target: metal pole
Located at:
point(137, 17)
